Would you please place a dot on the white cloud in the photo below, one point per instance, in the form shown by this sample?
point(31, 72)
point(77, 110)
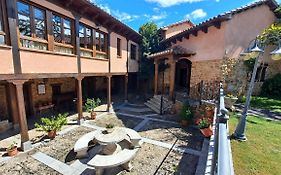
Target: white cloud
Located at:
point(124, 17)
point(196, 14)
point(168, 3)
point(105, 8)
point(163, 15)
point(217, 0)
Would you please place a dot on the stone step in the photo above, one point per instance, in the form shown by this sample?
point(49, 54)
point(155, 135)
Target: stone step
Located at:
point(155, 105)
point(152, 108)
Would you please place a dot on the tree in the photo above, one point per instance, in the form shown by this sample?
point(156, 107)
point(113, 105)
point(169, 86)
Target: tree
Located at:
point(149, 45)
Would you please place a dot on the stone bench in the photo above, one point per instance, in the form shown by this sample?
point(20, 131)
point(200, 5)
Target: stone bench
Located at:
point(101, 162)
point(82, 144)
point(135, 138)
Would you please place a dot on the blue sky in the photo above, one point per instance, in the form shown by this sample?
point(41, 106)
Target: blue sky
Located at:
point(164, 12)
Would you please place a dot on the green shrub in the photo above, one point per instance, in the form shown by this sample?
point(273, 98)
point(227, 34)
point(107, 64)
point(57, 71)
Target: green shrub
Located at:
point(272, 87)
point(91, 104)
point(204, 123)
point(53, 123)
point(186, 113)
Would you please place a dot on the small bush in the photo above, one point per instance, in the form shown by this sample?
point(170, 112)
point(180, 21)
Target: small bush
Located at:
point(272, 87)
point(186, 113)
point(54, 123)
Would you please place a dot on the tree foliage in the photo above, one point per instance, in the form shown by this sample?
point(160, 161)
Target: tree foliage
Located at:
point(149, 45)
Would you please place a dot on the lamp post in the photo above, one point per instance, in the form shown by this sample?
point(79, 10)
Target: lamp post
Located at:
point(255, 52)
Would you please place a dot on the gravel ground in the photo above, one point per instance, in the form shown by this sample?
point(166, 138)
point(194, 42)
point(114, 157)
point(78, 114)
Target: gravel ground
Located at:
point(119, 121)
point(24, 164)
point(61, 147)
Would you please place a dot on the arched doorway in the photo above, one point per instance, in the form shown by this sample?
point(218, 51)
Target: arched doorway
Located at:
point(183, 73)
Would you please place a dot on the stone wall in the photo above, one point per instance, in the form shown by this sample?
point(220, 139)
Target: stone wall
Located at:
point(67, 85)
point(3, 103)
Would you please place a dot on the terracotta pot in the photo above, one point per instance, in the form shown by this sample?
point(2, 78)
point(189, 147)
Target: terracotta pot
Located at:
point(197, 120)
point(184, 123)
point(13, 151)
point(207, 132)
point(52, 134)
point(93, 115)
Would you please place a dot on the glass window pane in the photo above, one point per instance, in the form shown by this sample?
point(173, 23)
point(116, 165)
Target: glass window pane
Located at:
point(89, 38)
point(24, 25)
point(33, 44)
point(81, 35)
point(23, 8)
point(97, 41)
point(2, 39)
point(1, 19)
point(40, 29)
point(67, 31)
point(102, 42)
point(57, 28)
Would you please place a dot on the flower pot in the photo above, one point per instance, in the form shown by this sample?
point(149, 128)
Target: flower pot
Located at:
point(108, 131)
point(207, 132)
point(230, 101)
point(93, 115)
point(52, 134)
point(209, 113)
point(197, 120)
point(13, 151)
point(184, 123)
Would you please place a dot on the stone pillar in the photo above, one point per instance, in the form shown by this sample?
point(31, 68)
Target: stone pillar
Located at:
point(25, 143)
point(172, 79)
point(79, 99)
point(126, 88)
point(109, 106)
point(156, 71)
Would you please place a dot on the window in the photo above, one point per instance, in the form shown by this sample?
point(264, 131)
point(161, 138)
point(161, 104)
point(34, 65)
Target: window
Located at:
point(119, 47)
point(86, 41)
point(62, 31)
point(2, 31)
point(101, 45)
point(133, 52)
point(32, 26)
point(261, 72)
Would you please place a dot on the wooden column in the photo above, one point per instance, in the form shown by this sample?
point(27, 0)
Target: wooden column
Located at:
point(172, 79)
point(109, 107)
point(14, 112)
point(25, 143)
point(126, 88)
point(79, 98)
point(156, 72)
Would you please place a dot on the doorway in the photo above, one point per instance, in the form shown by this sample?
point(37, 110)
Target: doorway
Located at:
point(183, 74)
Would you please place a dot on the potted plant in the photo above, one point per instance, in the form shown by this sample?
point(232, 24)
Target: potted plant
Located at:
point(12, 149)
point(52, 125)
point(109, 128)
point(186, 115)
point(230, 100)
point(209, 113)
point(205, 127)
point(90, 106)
point(199, 117)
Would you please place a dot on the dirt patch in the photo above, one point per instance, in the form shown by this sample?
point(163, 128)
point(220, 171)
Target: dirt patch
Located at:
point(168, 133)
point(120, 121)
point(61, 148)
point(25, 165)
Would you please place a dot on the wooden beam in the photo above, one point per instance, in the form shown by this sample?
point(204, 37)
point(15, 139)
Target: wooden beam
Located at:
point(195, 33)
point(186, 36)
point(205, 29)
point(217, 25)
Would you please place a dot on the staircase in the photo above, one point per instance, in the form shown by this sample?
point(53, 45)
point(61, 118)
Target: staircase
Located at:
point(155, 103)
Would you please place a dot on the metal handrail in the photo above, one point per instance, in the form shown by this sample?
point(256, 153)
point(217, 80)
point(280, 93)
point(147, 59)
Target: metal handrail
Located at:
point(222, 163)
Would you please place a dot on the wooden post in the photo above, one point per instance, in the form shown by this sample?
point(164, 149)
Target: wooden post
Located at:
point(79, 98)
point(12, 105)
point(109, 107)
point(25, 143)
point(126, 88)
point(172, 79)
point(156, 71)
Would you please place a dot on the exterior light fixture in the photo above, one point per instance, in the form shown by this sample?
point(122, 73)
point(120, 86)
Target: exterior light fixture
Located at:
point(276, 54)
point(255, 51)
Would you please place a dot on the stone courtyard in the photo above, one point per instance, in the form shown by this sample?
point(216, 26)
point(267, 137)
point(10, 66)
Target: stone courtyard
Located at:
point(167, 148)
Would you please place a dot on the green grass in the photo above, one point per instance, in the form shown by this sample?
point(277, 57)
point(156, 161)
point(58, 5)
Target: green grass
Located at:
point(274, 105)
point(261, 153)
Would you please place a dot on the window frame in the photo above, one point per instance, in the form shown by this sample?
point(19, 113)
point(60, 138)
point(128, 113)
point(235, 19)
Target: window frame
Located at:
point(3, 18)
point(33, 36)
point(119, 48)
point(63, 43)
point(133, 56)
point(99, 51)
point(91, 47)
